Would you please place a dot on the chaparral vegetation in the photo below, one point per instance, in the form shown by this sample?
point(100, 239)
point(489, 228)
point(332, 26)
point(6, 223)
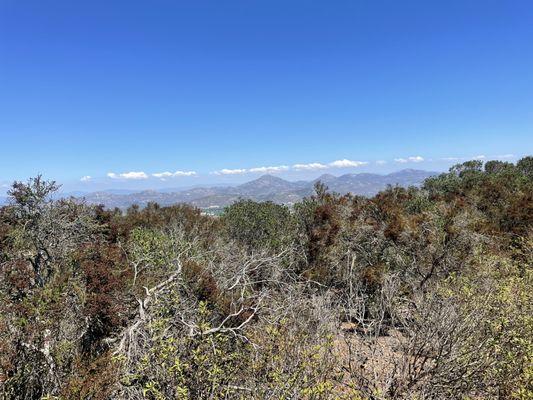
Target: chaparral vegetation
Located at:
point(415, 293)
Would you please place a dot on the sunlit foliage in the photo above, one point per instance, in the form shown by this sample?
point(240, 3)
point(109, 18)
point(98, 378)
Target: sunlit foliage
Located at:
point(416, 293)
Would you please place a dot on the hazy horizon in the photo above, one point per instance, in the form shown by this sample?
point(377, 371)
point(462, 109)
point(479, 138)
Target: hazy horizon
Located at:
point(211, 180)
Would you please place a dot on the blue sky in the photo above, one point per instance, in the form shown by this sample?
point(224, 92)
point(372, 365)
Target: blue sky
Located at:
point(217, 91)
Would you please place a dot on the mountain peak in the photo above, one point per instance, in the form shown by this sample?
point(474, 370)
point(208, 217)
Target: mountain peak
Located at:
point(269, 178)
point(265, 180)
point(266, 184)
point(324, 178)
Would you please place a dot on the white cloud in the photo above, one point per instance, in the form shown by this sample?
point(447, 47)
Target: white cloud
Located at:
point(128, 175)
point(262, 170)
point(450, 158)
point(269, 170)
point(134, 175)
point(346, 163)
point(414, 159)
point(309, 167)
point(226, 171)
point(480, 157)
point(85, 178)
point(166, 174)
point(185, 173)
point(162, 175)
point(314, 166)
point(505, 156)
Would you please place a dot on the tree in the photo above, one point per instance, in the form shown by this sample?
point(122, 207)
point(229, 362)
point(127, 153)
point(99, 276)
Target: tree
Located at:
point(525, 166)
point(258, 225)
point(48, 229)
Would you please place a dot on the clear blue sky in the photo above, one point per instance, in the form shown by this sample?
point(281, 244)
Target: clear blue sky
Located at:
point(89, 88)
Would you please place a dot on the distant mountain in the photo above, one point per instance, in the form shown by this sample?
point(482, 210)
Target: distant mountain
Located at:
point(370, 184)
point(266, 185)
point(265, 188)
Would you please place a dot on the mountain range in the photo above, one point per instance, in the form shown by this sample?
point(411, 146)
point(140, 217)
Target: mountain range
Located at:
point(265, 188)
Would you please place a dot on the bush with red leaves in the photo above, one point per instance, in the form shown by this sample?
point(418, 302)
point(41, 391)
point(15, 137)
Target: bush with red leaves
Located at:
point(105, 305)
